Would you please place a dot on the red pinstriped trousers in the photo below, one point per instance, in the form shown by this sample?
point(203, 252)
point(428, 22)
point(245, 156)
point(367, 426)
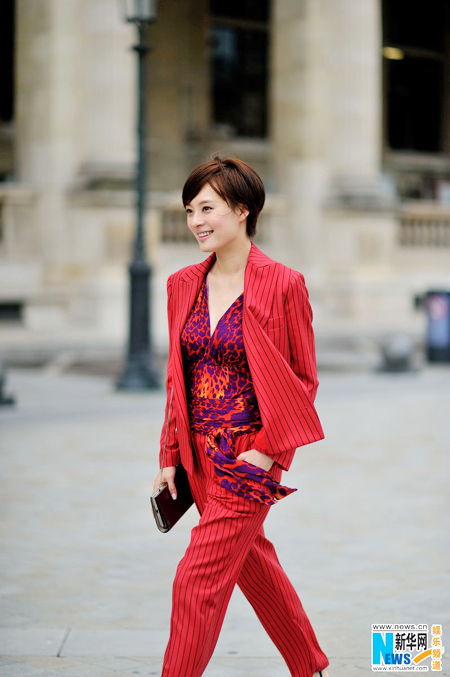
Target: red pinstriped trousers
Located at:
point(227, 547)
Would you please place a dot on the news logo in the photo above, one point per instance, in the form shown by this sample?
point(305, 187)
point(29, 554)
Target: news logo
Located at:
point(404, 647)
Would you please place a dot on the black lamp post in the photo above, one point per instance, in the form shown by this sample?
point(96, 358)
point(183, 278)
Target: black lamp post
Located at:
point(140, 370)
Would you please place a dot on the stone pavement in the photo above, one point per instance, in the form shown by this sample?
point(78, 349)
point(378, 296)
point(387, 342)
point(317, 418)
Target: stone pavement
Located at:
point(86, 577)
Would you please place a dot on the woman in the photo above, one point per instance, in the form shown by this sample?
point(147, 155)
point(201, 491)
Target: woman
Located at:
point(242, 368)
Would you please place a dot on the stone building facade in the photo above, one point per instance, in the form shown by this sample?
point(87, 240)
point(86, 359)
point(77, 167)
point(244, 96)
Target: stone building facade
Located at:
point(309, 92)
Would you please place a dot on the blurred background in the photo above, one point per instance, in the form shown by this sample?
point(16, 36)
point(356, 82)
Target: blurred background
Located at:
point(342, 106)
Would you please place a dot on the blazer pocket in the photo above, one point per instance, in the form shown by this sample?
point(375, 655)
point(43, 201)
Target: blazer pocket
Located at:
point(275, 322)
point(276, 329)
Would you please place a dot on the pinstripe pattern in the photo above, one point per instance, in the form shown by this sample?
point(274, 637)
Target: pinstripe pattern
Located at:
point(279, 344)
point(226, 547)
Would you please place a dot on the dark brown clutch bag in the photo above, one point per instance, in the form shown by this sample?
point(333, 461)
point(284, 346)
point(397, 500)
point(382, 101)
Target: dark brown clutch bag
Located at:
point(166, 511)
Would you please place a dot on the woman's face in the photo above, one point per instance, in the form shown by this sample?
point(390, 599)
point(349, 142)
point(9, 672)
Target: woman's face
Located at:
point(212, 221)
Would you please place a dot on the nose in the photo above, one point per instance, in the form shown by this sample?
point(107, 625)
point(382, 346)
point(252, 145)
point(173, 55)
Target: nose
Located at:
point(196, 219)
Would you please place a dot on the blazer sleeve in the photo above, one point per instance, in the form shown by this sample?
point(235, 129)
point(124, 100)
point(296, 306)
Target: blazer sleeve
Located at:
point(172, 456)
point(300, 332)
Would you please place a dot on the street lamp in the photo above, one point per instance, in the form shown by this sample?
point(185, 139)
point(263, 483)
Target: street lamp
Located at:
point(140, 371)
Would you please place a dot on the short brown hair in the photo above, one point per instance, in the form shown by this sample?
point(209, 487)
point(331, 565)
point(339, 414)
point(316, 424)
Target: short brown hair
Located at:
point(236, 183)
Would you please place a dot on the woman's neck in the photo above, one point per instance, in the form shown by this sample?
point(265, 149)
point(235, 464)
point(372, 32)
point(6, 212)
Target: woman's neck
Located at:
point(232, 263)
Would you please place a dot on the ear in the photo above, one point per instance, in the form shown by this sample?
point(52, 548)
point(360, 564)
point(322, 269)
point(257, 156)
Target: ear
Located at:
point(242, 212)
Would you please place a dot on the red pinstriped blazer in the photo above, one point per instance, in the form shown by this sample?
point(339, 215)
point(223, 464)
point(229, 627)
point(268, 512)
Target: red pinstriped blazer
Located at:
point(279, 344)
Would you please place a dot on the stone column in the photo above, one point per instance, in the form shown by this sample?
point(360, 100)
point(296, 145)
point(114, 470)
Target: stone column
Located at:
point(107, 87)
point(74, 102)
point(359, 221)
point(47, 110)
point(75, 98)
point(355, 100)
point(299, 128)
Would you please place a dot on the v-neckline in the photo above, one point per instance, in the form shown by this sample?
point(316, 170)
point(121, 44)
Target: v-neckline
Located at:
point(211, 334)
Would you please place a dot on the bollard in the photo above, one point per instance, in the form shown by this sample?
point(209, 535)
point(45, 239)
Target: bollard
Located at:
point(397, 354)
point(4, 399)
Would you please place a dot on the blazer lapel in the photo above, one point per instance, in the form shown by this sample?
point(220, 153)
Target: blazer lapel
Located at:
point(259, 287)
point(259, 290)
point(190, 282)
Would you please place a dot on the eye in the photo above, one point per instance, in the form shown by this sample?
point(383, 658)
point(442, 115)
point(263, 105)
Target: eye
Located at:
point(206, 207)
point(188, 211)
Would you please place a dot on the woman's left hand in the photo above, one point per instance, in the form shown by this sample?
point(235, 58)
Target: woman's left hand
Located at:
point(256, 458)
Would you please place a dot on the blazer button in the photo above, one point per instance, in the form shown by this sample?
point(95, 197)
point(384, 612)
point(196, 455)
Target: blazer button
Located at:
point(176, 431)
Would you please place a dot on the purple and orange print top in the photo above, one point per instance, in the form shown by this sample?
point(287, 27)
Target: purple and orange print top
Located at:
point(221, 398)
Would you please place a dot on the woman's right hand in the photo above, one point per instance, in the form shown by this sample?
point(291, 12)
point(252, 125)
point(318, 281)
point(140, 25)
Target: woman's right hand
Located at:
point(169, 477)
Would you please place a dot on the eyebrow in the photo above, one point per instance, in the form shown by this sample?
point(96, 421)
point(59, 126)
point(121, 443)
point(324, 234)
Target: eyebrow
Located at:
point(203, 202)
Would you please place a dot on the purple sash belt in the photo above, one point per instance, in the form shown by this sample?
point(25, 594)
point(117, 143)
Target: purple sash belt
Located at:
point(239, 476)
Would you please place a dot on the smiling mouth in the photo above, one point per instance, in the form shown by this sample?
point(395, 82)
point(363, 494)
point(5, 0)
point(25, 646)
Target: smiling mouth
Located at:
point(205, 234)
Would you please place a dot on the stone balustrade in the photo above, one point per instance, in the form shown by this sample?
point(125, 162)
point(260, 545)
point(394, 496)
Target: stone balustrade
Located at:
point(424, 225)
